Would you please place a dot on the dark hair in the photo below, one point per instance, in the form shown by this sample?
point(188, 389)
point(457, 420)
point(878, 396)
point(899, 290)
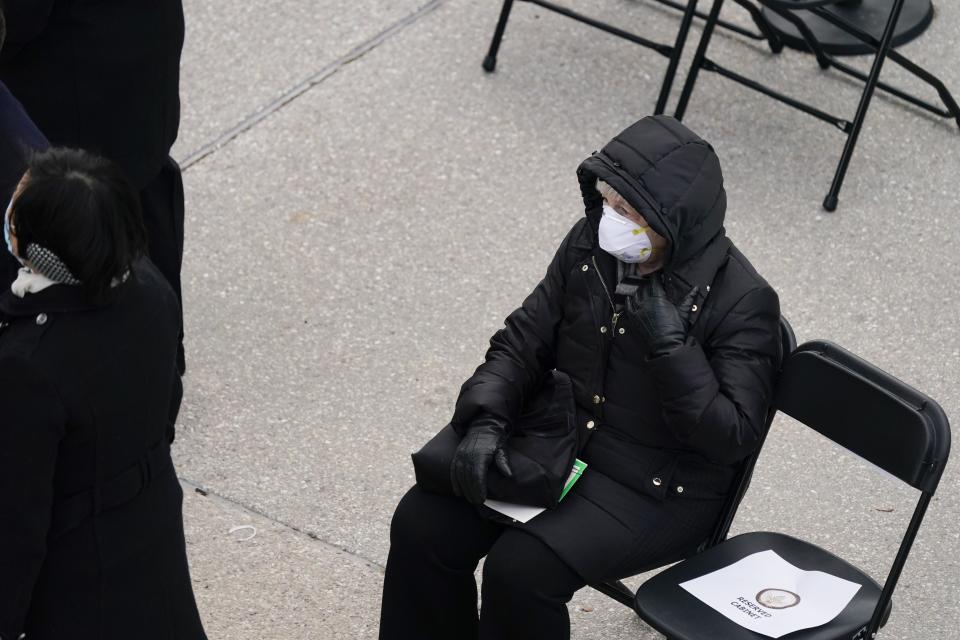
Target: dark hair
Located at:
point(80, 207)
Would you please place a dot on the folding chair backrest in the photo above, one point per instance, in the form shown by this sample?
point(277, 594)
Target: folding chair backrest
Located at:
point(877, 417)
point(788, 343)
point(866, 411)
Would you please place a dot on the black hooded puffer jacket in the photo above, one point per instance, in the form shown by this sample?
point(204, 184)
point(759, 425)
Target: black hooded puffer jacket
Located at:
point(681, 420)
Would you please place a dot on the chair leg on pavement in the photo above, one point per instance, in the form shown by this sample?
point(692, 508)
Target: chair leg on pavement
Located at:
point(490, 62)
point(671, 72)
point(617, 590)
point(763, 25)
point(823, 61)
point(832, 198)
point(698, 59)
point(952, 108)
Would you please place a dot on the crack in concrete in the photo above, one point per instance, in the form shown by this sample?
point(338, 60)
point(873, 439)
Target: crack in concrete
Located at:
point(303, 86)
point(209, 493)
point(245, 125)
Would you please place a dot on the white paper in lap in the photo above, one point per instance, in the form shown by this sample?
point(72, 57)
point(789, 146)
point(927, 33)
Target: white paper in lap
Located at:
point(519, 512)
point(768, 595)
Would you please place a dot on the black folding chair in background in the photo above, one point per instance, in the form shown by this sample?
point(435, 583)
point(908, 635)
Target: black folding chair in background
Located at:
point(871, 414)
point(671, 52)
point(617, 589)
point(882, 47)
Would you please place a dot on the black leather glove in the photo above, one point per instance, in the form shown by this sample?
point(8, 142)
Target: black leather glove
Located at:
point(662, 325)
point(482, 445)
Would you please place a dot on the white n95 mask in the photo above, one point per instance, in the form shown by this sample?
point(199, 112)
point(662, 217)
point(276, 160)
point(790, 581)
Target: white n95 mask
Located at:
point(624, 239)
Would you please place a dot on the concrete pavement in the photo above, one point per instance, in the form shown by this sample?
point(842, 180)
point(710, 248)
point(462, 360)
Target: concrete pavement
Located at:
point(365, 205)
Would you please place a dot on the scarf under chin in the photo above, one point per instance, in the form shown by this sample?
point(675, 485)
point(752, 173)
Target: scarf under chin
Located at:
point(29, 282)
point(46, 269)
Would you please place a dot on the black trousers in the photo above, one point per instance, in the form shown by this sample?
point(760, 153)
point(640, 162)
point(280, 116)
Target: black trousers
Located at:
point(162, 204)
point(429, 591)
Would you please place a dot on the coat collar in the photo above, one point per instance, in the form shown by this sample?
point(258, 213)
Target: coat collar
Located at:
point(56, 299)
point(699, 271)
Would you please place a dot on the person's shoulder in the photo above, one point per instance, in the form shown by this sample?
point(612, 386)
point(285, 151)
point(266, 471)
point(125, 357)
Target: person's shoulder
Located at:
point(743, 271)
point(146, 291)
point(577, 244)
point(739, 284)
point(148, 276)
point(580, 237)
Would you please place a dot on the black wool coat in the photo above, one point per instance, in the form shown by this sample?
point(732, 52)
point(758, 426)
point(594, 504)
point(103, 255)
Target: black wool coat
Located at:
point(89, 392)
point(662, 437)
point(101, 75)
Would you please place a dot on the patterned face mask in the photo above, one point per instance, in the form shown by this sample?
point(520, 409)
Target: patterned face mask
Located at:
point(42, 260)
point(624, 239)
point(47, 263)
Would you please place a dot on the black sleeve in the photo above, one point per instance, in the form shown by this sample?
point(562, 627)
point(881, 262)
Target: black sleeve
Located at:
point(523, 351)
point(30, 432)
point(716, 399)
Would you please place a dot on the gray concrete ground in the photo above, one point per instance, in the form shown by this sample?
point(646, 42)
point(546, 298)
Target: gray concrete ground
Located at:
point(365, 205)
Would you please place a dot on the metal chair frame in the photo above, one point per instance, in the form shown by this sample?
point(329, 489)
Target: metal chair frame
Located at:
point(671, 52)
point(852, 129)
point(793, 401)
point(620, 592)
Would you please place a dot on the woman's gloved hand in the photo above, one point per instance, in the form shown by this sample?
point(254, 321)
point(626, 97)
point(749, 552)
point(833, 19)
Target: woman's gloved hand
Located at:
point(662, 325)
point(482, 445)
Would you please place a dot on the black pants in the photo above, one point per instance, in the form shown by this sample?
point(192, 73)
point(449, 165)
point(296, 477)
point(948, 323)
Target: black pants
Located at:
point(162, 203)
point(429, 591)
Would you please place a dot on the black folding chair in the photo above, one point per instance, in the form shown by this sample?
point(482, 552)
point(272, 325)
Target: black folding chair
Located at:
point(618, 590)
point(870, 413)
point(785, 8)
point(671, 52)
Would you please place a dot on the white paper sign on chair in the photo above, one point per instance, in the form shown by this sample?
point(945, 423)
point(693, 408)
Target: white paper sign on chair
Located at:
point(768, 595)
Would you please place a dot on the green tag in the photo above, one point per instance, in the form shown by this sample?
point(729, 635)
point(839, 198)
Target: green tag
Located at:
point(578, 468)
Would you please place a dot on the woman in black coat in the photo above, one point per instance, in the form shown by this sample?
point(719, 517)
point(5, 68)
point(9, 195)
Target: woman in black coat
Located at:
point(104, 75)
point(673, 384)
point(91, 528)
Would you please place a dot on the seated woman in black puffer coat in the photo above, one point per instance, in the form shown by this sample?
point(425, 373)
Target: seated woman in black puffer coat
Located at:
point(91, 523)
point(673, 385)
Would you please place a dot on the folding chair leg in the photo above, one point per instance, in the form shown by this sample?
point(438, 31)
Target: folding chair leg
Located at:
point(832, 199)
point(490, 62)
point(698, 59)
point(952, 108)
point(808, 38)
point(616, 590)
point(763, 25)
point(671, 72)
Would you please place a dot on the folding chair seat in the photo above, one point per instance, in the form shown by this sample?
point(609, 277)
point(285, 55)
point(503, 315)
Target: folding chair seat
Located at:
point(671, 52)
point(657, 599)
point(866, 411)
point(617, 589)
point(882, 46)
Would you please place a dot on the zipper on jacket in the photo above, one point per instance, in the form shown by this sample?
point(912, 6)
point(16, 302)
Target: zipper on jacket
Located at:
point(616, 315)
